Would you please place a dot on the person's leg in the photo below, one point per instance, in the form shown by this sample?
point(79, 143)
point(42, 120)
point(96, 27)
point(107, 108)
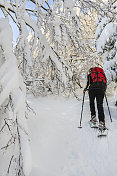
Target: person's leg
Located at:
point(91, 102)
point(99, 99)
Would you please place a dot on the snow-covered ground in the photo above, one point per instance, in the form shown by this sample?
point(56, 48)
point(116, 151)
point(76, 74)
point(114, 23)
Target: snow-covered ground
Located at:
point(59, 148)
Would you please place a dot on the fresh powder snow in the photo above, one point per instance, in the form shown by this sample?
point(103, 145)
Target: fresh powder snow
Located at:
point(59, 147)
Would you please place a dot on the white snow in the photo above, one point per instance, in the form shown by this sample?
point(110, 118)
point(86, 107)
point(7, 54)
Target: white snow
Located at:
point(100, 27)
point(69, 4)
point(107, 33)
point(59, 148)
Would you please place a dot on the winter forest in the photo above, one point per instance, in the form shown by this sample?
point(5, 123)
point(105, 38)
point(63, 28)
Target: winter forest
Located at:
point(46, 50)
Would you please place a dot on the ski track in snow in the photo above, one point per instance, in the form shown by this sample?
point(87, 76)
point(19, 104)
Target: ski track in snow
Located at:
point(59, 148)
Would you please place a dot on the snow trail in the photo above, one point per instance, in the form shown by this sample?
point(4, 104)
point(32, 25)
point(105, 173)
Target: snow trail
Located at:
point(59, 148)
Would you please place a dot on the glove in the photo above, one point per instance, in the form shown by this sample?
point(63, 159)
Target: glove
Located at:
point(84, 90)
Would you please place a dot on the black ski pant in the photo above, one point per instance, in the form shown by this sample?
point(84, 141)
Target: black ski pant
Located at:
point(99, 95)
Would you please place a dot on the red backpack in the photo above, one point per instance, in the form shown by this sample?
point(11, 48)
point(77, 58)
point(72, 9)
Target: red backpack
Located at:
point(98, 75)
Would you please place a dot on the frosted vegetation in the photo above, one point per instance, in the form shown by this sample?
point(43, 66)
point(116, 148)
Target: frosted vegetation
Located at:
point(57, 42)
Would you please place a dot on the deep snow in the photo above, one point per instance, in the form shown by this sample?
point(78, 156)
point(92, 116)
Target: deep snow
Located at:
point(59, 148)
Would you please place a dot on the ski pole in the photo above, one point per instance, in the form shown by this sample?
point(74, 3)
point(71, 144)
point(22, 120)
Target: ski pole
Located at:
point(82, 110)
point(108, 108)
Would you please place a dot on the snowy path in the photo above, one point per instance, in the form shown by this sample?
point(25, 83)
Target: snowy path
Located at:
point(59, 148)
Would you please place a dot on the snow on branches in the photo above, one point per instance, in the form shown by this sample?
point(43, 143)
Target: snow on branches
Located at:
point(12, 107)
point(57, 42)
point(106, 36)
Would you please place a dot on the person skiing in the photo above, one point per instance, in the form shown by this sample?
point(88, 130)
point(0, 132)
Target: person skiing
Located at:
point(96, 86)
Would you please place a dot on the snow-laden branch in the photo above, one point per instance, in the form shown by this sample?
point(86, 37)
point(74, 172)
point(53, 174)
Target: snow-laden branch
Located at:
point(106, 35)
point(13, 87)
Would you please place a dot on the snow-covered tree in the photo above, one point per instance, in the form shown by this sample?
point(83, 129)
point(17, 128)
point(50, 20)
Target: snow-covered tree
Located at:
point(64, 30)
point(106, 36)
point(62, 41)
point(58, 49)
point(13, 127)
